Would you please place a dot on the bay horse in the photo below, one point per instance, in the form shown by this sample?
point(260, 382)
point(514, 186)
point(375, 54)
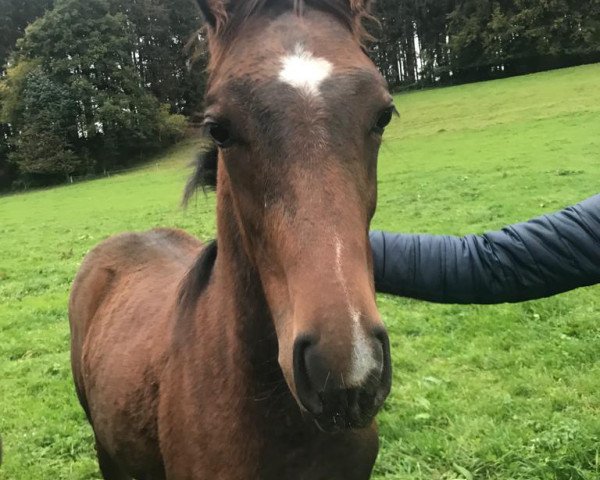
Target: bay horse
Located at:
point(260, 355)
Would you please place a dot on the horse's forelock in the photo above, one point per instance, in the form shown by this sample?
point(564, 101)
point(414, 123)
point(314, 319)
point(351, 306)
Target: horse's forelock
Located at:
point(351, 12)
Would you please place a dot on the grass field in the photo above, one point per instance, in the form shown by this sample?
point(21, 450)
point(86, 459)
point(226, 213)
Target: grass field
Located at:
point(497, 392)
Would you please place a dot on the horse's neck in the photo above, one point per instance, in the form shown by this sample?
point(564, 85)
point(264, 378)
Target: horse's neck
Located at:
point(240, 291)
point(242, 337)
point(252, 344)
point(243, 313)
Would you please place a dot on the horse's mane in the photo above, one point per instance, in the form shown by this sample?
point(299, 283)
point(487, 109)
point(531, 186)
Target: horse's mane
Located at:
point(197, 278)
point(352, 13)
point(205, 173)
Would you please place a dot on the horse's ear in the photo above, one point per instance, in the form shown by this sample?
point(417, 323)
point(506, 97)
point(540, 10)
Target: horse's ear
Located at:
point(361, 7)
point(361, 11)
point(214, 12)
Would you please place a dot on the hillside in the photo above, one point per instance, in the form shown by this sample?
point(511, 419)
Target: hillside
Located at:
point(497, 392)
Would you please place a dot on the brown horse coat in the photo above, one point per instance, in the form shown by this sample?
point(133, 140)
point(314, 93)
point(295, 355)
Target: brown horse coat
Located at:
point(214, 423)
point(264, 358)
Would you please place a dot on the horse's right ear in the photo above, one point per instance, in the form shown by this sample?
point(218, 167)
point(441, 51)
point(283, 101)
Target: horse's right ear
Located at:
point(214, 12)
point(361, 6)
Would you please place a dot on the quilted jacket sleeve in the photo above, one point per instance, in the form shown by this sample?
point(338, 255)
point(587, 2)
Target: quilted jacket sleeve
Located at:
point(539, 258)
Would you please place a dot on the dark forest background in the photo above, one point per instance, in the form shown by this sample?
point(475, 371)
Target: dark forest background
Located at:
point(89, 86)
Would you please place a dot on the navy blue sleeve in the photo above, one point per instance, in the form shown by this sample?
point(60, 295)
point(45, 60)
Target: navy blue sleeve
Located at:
point(539, 258)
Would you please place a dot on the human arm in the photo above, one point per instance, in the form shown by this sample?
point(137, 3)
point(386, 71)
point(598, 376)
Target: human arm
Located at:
point(539, 258)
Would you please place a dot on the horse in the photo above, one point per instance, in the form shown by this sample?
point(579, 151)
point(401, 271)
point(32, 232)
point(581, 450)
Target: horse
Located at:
point(260, 355)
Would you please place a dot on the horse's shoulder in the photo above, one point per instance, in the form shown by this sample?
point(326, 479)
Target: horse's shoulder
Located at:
point(154, 254)
point(135, 249)
point(162, 239)
point(174, 236)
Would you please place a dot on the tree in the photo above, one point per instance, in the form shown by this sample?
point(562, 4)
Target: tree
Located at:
point(7, 170)
point(412, 48)
point(429, 42)
point(467, 23)
point(84, 93)
point(16, 15)
point(162, 29)
point(44, 155)
point(433, 33)
point(46, 114)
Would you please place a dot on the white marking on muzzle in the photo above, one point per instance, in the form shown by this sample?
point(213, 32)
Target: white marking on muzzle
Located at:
point(304, 71)
point(362, 359)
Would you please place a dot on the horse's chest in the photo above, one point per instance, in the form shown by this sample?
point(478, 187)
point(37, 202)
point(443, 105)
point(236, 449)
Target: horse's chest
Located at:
point(344, 456)
point(232, 443)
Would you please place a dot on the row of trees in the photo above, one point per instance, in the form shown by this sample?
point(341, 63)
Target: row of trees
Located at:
point(438, 42)
point(91, 85)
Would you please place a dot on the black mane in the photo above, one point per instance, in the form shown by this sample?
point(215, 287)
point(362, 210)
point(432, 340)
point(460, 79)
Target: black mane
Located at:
point(205, 173)
point(197, 278)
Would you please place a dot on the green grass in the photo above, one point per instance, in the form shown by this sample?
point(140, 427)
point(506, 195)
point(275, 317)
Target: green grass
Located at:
point(496, 392)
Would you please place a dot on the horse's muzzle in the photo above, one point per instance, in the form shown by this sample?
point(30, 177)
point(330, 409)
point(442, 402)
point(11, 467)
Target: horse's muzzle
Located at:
point(334, 403)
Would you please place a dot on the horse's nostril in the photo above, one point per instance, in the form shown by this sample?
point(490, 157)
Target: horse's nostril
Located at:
point(380, 334)
point(305, 388)
point(386, 372)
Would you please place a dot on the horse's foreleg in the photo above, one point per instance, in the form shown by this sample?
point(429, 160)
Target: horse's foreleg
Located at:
point(109, 468)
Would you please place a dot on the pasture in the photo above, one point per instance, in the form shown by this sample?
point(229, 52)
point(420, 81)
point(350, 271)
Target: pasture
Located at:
point(480, 392)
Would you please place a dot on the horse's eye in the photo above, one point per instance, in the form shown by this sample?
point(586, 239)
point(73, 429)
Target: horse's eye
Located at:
point(220, 134)
point(384, 120)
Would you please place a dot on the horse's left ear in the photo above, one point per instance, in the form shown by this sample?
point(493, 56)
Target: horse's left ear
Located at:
point(214, 13)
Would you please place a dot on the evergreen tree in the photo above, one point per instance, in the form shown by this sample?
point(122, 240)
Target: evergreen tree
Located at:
point(84, 55)
point(47, 115)
point(428, 42)
point(162, 29)
point(14, 17)
point(7, 170)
